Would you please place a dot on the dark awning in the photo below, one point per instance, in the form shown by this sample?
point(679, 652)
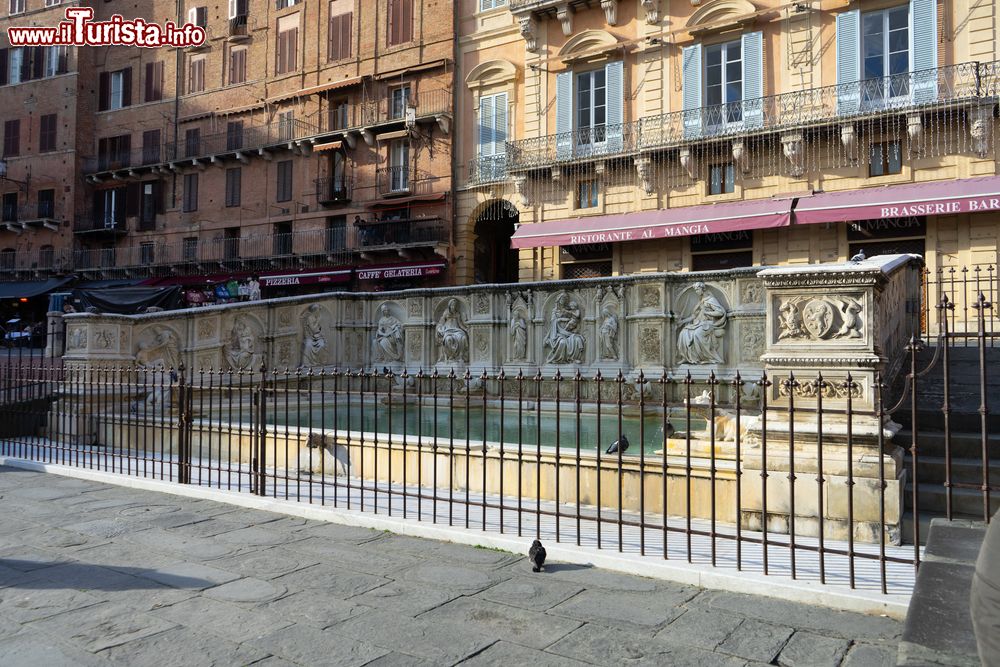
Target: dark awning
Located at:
point(104, 284)
point(30, 288)
point(130, 300)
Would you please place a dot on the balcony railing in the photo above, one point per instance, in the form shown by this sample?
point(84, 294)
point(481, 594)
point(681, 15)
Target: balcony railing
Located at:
point(41, 261)
point(488, 168)
point(238, 27)
point(387, 109)
point(394, 180)
point(401, 233)
point(927, 90)
point(28, 212)
point(98, 225)
point(334, 189)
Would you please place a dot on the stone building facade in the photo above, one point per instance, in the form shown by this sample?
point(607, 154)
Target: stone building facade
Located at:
point(625, 137)
point(301, 142)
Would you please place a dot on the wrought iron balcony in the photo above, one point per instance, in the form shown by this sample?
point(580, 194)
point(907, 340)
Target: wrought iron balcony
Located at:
point(394, 180)
point(96, 225)
point(966, 84)
point(40, 213)
point(43, 261)
point(401, 234)
point(386, 108)
point(238, 28)
point(334, 189)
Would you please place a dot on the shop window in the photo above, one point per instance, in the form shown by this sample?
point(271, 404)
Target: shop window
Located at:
point(721, 251)
point(587, 194)
point(721, 179)
point(885, 159)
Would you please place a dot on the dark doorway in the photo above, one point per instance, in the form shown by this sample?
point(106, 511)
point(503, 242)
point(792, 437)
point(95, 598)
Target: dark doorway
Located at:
point(495, 261)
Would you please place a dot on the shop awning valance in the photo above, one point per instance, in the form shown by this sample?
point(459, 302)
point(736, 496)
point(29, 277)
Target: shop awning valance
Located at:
point(666, 223)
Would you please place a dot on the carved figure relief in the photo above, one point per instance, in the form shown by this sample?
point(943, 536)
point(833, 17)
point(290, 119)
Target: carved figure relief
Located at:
point(206, 328)
point(482, 345)
point(835, 389)
point(77, 339)
point(608, 334)
point(700, 337)
point(284, 356)
point(517, 329)
point(240, 351)
point(753, 293)
point(413, 307)
point(482, 304)
point(649, 297)
point(415, 341)
point(388, 341)
point(285, 318)
point(564, 340)
point(451, 334)
point(158, 348)
point(105, 339)
point(809, 318)
point(649, 344)
point(752, 342)
point(314, 345)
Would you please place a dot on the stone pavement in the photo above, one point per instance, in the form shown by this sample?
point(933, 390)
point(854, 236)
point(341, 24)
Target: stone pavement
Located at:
point(96, 574)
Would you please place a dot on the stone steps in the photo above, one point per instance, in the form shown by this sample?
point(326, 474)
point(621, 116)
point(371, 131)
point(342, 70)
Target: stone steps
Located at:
point(933, 500)
point(964, 445)
point(932, 469)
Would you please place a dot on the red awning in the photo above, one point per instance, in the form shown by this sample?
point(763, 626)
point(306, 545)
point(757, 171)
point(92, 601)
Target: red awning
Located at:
point(901, 201)
point(666, 223)
point(318, 277)
point(412, 270)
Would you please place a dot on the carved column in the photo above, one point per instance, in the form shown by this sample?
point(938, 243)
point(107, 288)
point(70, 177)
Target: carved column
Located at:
point(832, 329)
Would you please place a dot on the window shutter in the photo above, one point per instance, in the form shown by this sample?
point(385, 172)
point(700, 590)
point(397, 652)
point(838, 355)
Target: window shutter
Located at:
point(691, 93)
point(753, 79)
point(132, 193)
point(848, 62)
point(500, 124)
point(148, 83)
point(615, 100)
point(37, 62)
point(25, 63)
point(564, 115)
point(486, 109)
point(923, 49)
point(233, 9)
point(407, 20)
point(346, 21)
point(127, 87)
point(4, 59)
point(393, 22)
point(104, 91)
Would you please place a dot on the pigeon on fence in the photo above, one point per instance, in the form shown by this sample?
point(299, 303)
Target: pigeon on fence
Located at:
point(860, 257)
point(536, 554)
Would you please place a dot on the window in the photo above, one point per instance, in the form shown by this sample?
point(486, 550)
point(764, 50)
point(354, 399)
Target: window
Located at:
point(147, 254)
point(115, 89)
point(47, 203)
point(591, 106)
point(286, 53)
point(885, 52)
point(400, 22)
point(150, 146)
point(16, 7)
point(238, 66)
point(399, 166)
point(486, 5)
point(196, 74)
point(720, 178)
point(46, 256)
point(724, 83)
point(52, 3)
point(149, 205)
point(340, 112)
point(885, 159)
point(234, 178)
point(339, 37)
point(192, 142)
point(47, 133)
point(154, 82)
point(586, 195)
point(286, 125)
point(198, 16)
point(56, 60)
point(12, 138)
point(190, 192)
point(282, 238)
point(237, 8)
point(17, 63)
point(231, 243)
point(284, 189)
point(189, 249)
point(114, 152)
point(282, 4)
point(234, 135)
point(9, 213)
point(110, 208)
point(399, 99)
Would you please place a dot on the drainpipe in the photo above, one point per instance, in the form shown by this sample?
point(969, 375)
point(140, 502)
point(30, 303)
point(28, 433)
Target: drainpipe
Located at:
point(452, 144)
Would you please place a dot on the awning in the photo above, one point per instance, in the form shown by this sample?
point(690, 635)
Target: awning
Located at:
point(390, 136)
point(413, 69)
point(413, 270)
point(105, 284)
point(399, 202)
point(319, 277)
point(321, 88)
point(666, 223)
point(25, 289)
point(969, 195)
point(328, 146)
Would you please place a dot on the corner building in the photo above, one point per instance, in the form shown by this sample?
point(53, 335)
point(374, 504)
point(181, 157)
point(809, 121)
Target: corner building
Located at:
point(628, 136)
point(308, 143)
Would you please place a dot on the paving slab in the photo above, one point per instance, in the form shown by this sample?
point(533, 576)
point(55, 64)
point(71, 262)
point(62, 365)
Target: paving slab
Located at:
point(360, 559)
point(404, 597)
point(646, 611)
point(189, 575)
point(463, 580)
point(233, 622)
point(700, 629)
point(520, 626)
point(607, 646)
point(504, 654)
point(438, 641)
point(102, 626)
point(35, 648)
point(183, 647)
point(531, 592)
point(808, 649)
point(25, 606)
point(333, 580)
point(309, 646)
point(870, 655)
point(266, 563)
point(757, 641)
point(315, 608)
point(247, 590)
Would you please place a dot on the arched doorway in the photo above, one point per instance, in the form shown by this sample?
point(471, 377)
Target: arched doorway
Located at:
point(495, 261)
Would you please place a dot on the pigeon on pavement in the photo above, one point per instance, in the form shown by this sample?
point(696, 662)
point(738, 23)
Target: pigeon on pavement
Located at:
point(536, 554)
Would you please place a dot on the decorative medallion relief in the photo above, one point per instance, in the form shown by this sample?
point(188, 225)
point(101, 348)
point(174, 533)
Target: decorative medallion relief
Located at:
point(753, 293)
point(482, 304)
point(808, 318)
point(414, 307)
point(415, 342)
point(242, 349)
point(206, 328)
